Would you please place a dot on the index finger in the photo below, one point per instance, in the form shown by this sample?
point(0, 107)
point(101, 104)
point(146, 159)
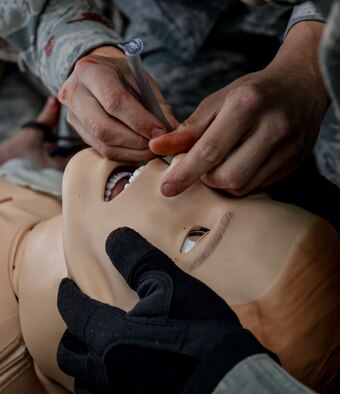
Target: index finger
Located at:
point(210, 150)
point(120, 103)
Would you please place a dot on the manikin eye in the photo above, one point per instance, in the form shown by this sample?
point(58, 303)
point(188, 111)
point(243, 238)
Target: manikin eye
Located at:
point(192, 238)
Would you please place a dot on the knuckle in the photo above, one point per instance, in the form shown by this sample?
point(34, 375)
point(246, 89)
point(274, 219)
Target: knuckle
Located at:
point(279, 129)
point(246, 98)
point(99, 131)
point(285, 125)
point(114, 101)
point(210, 152)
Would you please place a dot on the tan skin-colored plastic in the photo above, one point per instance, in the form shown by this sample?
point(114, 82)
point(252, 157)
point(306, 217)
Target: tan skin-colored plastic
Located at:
point(260, 266)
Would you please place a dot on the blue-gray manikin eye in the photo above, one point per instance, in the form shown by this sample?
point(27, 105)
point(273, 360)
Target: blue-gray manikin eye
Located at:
point(192, 238)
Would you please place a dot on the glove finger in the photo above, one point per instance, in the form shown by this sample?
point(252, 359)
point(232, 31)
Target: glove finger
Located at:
point(133, 255)
point(72, 356)
point(79, 310)
point(75, 307)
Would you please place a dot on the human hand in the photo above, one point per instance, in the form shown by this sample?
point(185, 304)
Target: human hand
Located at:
point(156, 346)
point(105, 107)
point(256, 130)
point(30, 142)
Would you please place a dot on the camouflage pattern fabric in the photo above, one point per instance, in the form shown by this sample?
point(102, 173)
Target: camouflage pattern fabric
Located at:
point(191, 48)
point(49, 36)
point(20, 100)
point(327, 148)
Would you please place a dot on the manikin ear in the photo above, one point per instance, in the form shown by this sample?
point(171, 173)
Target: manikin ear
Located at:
point(319, 243)
point(319, 250)
point(313, 294)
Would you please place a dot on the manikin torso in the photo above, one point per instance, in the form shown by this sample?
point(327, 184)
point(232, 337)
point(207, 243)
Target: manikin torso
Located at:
point(251, 256)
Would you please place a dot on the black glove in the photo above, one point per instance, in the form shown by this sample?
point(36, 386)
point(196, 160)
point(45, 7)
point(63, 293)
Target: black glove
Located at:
point(157, 346)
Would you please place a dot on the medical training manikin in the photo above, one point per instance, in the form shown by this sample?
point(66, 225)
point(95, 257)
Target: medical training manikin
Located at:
point(275, 264)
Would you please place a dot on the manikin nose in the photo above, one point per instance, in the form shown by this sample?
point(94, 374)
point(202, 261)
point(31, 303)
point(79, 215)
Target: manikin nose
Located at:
point(173, 160)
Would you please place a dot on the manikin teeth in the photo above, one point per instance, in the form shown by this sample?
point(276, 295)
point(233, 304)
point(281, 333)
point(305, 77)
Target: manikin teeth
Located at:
point(112, 183)
point(116, 178)
point(135, 174)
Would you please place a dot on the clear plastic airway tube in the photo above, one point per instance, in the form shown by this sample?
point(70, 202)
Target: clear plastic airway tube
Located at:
point(133, 49)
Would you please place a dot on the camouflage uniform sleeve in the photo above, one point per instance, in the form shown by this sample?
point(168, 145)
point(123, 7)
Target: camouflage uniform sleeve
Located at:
point(50, 36)
point(309, 11)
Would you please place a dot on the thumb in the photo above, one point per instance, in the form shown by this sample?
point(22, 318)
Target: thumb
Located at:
point(183, 138)
point(172, 144)
point(49, 115)
point(132, 254)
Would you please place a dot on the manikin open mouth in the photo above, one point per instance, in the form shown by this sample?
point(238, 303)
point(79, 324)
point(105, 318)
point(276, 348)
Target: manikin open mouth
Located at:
point(119, 179)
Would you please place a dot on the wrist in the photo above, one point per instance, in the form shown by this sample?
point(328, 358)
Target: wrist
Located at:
point(226, 355)
point(297, 62)
point(300, 51)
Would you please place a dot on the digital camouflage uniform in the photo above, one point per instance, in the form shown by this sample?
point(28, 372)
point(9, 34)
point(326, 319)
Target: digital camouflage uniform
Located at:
point(328, 145)
point(327, 148)
point(191, 48)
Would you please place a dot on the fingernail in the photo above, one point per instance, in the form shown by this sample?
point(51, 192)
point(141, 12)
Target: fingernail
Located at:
point(157, 132)
point(168, 189)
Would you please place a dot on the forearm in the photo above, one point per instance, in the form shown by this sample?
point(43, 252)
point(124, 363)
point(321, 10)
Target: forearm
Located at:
point(53, 35)
point(297, 61)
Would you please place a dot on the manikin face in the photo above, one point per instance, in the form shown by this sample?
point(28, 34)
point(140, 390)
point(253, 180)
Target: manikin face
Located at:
point(220, 240)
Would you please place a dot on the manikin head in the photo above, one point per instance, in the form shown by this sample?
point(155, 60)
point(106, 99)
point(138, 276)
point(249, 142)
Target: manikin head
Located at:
point(246, 249)
point(275, 264)
point(229, 230)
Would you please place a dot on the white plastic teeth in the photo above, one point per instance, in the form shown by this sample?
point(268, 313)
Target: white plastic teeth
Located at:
point(112, 182)
point(135, 174)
